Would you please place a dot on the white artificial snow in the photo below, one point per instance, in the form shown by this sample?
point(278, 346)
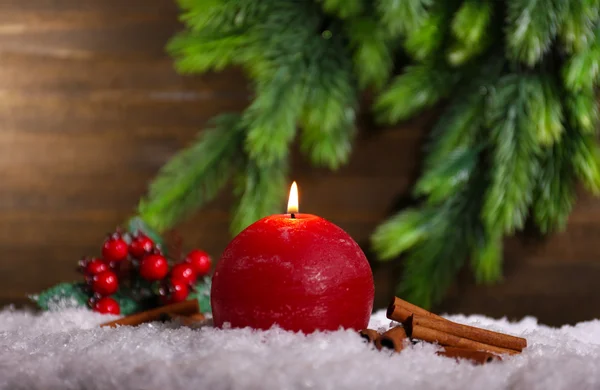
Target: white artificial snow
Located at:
point(67, 350)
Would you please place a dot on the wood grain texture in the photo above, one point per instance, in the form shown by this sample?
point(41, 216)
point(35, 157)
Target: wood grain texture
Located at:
point(90, 109)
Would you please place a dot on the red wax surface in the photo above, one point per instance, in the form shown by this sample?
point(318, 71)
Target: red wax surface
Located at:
point(303, 274)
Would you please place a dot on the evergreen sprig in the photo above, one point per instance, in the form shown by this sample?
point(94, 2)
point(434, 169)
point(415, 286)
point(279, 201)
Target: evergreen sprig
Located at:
point(517, 134)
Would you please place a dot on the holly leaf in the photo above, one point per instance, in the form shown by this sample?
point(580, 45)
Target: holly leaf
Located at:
point(62, 296)
point(202, 294)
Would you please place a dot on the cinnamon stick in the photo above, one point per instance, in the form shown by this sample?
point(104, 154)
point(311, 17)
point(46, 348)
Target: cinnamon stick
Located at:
point(470, 332)
point(182, 308)
point(477, 357)
point(392, 339)
point(399, 310)
point(369, 335)
point(435, 336)
point(187, 320)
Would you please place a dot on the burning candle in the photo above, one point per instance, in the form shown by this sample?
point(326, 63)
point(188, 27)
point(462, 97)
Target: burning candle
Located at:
point(297, 271)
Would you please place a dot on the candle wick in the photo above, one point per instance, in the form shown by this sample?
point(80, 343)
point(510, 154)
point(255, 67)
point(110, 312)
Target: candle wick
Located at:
point(293, 216)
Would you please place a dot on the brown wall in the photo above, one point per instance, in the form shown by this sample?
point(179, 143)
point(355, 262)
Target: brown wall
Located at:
point(90, 108)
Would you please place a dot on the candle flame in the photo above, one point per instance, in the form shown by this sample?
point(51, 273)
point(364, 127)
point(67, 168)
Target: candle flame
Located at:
point(293, 199)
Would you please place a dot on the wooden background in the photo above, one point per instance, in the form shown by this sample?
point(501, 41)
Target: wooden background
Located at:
point(90, 108)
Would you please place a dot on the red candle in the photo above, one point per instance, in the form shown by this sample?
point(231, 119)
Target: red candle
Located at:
point(298, 271)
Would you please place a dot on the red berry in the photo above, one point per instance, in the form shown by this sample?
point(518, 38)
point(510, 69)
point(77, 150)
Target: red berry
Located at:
point(114, 248)
point(200, 260)
point(179, 291)
point(105, 283)
point(95, 266)
point(154, 267)
point(107, 305)
point(140, 246)
point(184, 272)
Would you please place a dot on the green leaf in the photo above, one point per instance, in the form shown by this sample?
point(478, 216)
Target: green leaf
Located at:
point(531, 27)
point(419, 87)
point(261, 192)
point(201, 292)
point(61, 296)
point(193, 176)
point(400, 233)
point(402, 16)
point(514, 154)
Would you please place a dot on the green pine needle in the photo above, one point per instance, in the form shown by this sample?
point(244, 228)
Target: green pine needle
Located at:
point(444, 179)
point(261, 191)
point(586, 161)
point(546, 110)
point(486, 258)
point(424, 42)
point(471, 22)
point(419, 87)
point(402, 16)
point(371, 52)
point(583, 109)
point(401, 232)
point(193, 176)
point(343, 8)
point(582, 70)
point(532, 25)
point(514, 155)
point(577, 29)
point(199, 53)
point(555, 188)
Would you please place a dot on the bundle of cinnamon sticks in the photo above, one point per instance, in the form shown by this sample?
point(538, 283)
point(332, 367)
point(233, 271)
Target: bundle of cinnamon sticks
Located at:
point(187, 313)
point(458, 340)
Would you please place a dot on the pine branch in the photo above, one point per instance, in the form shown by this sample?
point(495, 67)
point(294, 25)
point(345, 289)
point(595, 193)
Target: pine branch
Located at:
point(343, 8)
point(402, 232)
point(419, 87)
point(546, 110)
point(577, 29)
point(514, 154)
point(470, 28)
point(583, 110)
point(193, 176)
point(424, 42)
point(532, 25)
point(371, 52)
point(460, 124)
point(555, 188)
point(582, 70)
point(222, 16)
point(486, 257)
point(443, 180)
point(586, 161)
point(260, 190)
point(402, 16)
point(199, 53)
point(328, 127)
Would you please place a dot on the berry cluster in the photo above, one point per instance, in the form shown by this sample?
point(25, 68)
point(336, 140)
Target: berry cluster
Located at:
point(127, 257)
